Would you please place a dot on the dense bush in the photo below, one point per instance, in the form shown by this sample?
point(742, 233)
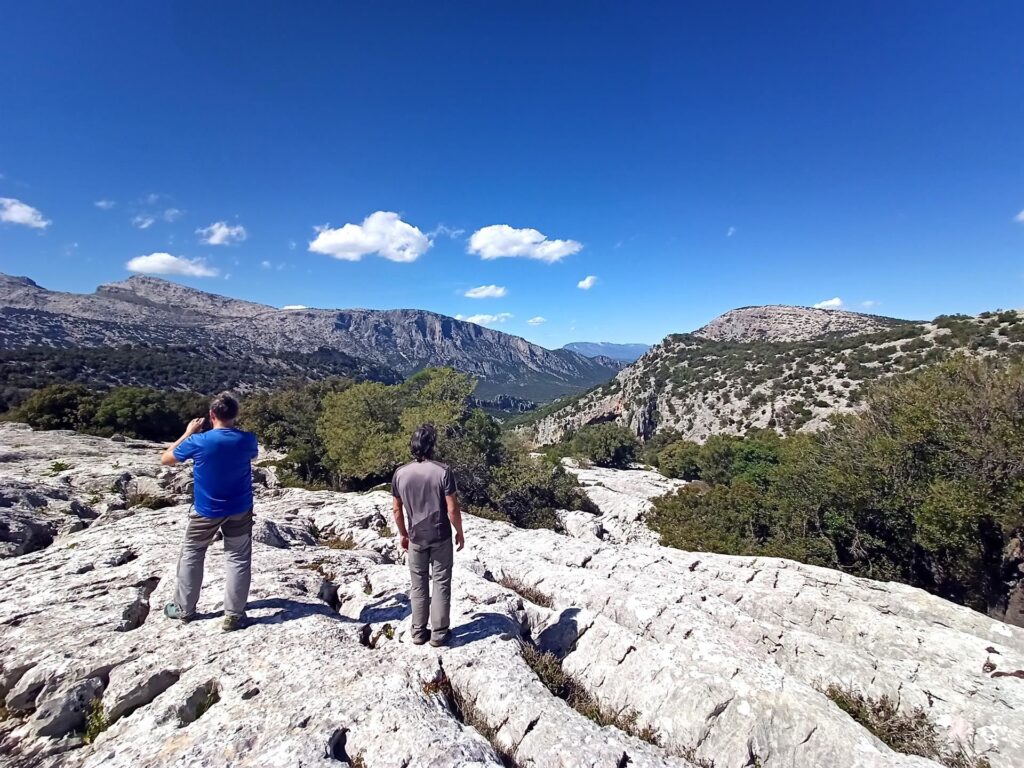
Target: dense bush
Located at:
point(606, 445)
point(924, 487)
point(286, 420)
point(365, 432)
point(131, 411)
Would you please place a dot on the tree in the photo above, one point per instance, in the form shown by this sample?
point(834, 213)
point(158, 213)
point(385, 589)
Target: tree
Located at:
point(59, 406)
point(365, 429)
point(606, 445)
point(286, 420)
point(361, 431)
point(680, 460)
point(137, 412)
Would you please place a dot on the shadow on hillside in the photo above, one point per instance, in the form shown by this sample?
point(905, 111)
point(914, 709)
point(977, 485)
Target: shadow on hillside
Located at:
point(482, 626)
point(290, 610)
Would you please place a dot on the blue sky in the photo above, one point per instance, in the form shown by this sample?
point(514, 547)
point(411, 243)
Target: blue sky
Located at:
point(690, 157)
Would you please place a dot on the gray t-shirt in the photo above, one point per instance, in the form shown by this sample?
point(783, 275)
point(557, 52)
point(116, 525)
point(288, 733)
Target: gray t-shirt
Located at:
point(422, 487)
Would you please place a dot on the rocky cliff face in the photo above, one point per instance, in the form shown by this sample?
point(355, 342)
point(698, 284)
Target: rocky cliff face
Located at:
point(782, 323)
point(740, 372)
point(145, 310)
point(715, 658)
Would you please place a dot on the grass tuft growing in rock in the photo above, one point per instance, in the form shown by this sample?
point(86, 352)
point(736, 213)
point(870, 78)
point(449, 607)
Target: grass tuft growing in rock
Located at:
point(341, 542)
point(466, 713)
point(59, 466)
point(548, 669)
point(912, 733)
point(525, 591)
point(96, 721)
point(148, 502)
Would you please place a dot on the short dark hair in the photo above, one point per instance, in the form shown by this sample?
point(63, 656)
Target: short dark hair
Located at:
point(224, 407)
point(423, 441)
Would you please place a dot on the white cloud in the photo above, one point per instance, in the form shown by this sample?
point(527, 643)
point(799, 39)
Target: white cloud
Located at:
point(222, 233)
point(486, 292)
point(500, 240)
point(105, 205)
point(730, 232)
point(172, 214)
point(143, 222)
point(16, 212)
point(152, 198)
point(294, 306)
point(166, 264)
point(1019, 217)
point(835, 303)
point(538, 320)
point(501, 317)
point(266, 264)
point(383, 233)
point(587, 282)
point(870, 304)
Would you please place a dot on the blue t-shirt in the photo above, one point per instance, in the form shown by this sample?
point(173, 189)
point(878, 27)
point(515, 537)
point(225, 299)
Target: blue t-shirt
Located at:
point(223, 470)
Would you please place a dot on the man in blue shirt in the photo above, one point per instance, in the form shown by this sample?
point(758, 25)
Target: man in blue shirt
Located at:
point(222, 478)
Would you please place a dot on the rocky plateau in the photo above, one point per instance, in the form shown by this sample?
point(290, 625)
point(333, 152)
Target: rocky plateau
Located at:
point(714, 659)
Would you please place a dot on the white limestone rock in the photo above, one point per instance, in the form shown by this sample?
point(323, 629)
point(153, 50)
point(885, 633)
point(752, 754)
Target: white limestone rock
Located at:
point(721, 658)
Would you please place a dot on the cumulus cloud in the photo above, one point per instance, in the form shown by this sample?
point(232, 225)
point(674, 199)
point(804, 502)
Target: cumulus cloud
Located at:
point(383, 233)
point(222, 233)
point(501, 317)
point(105, 205)
point(14, 211)
point(587, 282)
point(500, 241)
point(870, 304)
point(1019, 217)
point(172, 214)
point(166, 264)
point(486, 292)
point(294, 306)
point(835, 303)
point(538, 320)
point(143, 222)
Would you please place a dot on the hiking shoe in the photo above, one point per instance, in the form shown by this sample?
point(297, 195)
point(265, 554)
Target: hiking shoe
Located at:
point(419, 639)
point(437, 642)
point(231, 623)
point(172, 611)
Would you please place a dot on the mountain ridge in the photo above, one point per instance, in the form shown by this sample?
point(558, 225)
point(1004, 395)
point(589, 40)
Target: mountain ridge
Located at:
point(627, 353)
point(788, 378)
point(148, 310)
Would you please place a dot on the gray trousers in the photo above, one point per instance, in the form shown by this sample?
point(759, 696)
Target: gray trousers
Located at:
point(431, 562)
point(237, 530)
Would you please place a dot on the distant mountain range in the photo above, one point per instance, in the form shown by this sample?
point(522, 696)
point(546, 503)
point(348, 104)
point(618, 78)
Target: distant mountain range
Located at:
point(786, 368)
point(626, 353)
point(140, 331)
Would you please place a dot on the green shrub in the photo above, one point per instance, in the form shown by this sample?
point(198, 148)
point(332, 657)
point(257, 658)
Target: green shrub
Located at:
point(59, 406)
point(606, 445)
point(680, 460)
point(925, 487)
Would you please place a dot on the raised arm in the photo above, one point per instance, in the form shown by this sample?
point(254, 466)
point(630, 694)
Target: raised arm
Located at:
point(168, 459)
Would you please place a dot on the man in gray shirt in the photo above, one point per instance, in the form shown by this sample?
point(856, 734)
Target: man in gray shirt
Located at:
point(424, 490)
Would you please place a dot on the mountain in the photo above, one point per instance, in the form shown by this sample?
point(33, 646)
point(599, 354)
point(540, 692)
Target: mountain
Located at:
point(782, 323)
point(626, 353)
point(787, 368)
point(704, 658)
point(272, 343)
